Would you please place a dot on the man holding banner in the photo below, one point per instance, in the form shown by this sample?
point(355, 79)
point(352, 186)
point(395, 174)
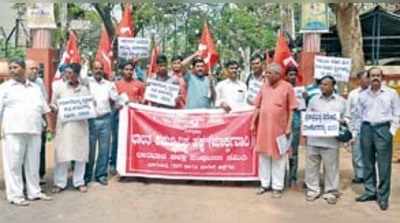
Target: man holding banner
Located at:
point(71, 141)
point(200, 87)
point(255, 79)
point(324, 147)
point(272, 120)
point(379, 107)
point(104, 93)
point(231, 92)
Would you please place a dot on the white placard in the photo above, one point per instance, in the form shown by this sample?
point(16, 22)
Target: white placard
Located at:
point(161, 93)
point(337, 67)
point(129, 48)
point(299, 91)
point(254, 89)
point(320, 124)
point(284, 143)
point(76, 108)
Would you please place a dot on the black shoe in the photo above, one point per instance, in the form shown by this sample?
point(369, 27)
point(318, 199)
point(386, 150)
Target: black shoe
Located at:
point(102, 181)
point(357, 181)
point(383, 205)
point(365, 198)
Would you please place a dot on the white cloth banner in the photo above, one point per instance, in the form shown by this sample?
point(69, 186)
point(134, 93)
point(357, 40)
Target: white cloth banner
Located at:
point(161, 93)
point(337, 67)
point(76, 108)
point(133, 47)
point(320, 124)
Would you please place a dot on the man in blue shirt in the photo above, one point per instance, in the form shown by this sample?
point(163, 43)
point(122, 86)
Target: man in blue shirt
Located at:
point(200, 89)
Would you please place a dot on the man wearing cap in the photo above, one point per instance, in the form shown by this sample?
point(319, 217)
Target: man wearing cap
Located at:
point(272, 119)
point(22, 106)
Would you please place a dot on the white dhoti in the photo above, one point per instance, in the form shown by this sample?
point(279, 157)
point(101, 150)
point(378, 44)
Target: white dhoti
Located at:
point(21, 150)
point(61, 174)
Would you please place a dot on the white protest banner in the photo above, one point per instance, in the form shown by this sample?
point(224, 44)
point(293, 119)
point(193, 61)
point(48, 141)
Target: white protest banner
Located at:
point(76, 108)
point(337, 67)
point(254, 88)
point(133, 47)
point(320, 124)
point(299, 91)
point(40, 15)
point(161, 93)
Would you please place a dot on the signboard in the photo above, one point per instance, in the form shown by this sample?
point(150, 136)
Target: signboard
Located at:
point(129, 48)
point(254, 89)
point(186, 144)
point(76, 108)
point(314, 18)
point(299, 91)
point(337, 67)
point(161, 93)
point(40, 16)
point(320, 124)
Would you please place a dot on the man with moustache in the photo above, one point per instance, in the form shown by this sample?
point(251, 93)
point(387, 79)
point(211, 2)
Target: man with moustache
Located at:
point(255, 79)
point(379, 109)
point(22, 107)
point(103, 92)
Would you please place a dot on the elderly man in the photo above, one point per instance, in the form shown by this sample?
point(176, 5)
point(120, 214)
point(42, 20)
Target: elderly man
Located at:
point(104, 92)
point(231, 92)
point(379, 108)
point(22, 107)
point(325, 149)
point(272, 119)
point(33, 76)
point(353, 115)
point(71, 142)
point(200, 87)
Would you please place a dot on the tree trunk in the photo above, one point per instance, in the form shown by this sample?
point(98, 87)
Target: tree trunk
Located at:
point(349, 31)
point(287, 18)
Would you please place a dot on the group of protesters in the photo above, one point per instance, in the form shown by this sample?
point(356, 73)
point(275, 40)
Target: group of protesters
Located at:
point(371, 112)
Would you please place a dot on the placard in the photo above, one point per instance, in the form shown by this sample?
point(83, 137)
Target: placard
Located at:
point(161, 93)
point(314, 18)
point(337, 67)
point(76, 108)
point(320, 124)
point(129, 48)
point(254, 89)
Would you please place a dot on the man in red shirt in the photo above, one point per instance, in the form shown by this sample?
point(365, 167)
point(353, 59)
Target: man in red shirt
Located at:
point(129, 89)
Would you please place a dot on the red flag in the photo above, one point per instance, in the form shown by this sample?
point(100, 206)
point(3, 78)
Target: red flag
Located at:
point(207, 48)
point(71, 53)
point(72, 50)
point(104, 52)
point(153, 61)
point(283, 55)
point(125, 27)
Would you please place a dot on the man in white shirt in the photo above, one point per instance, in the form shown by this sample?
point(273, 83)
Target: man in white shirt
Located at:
point(353, 114)
point(231, 92)
point(33, 76)
point(22, 106)
point(379, 108)
point(103, 92)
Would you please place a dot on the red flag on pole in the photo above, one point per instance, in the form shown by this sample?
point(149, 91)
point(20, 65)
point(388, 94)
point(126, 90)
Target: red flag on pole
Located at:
point(125, 27)
point(207, 48)
point(71, 53)
point(104, 53)
point(283, 55)
point(153, 61)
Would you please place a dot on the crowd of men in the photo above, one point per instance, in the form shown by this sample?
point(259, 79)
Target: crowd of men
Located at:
point(371, 111)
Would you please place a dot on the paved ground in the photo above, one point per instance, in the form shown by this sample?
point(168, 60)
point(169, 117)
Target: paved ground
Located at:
point(135, 200)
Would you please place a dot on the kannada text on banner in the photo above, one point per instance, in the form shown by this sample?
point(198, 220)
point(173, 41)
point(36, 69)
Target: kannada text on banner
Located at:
point(76, 108)
point(177, 144)
point(320, 124)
